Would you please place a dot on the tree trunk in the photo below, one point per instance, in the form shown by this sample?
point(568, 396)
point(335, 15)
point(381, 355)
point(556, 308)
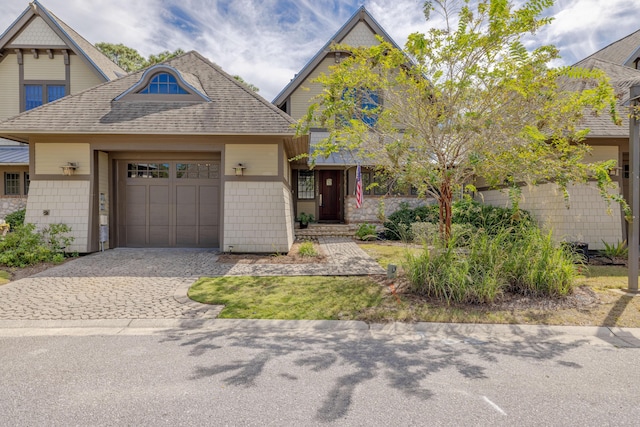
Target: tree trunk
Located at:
point(446, 197)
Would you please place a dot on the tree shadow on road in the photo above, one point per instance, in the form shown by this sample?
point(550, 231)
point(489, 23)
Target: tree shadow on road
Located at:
point(405, 361)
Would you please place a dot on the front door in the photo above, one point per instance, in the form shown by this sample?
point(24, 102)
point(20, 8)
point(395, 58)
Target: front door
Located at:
point(330, 195)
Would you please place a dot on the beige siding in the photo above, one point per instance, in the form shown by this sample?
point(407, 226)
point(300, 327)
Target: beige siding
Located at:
point(82, 77)
point(9, 87)
point(361, 35)
point(259, 159)
point(602, 153)
point(50, 157)
point(67, 202)
point(38, 33)
point(586, 220)
point(287, 167)
point(103, 189)
point(258, 217)
point(43, 68)
point(302, 97)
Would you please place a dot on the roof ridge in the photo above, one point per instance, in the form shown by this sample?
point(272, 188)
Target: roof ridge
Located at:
point(611, 44)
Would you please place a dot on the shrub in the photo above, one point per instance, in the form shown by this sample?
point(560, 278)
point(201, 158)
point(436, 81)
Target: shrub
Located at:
point(25, 246)
point(366, 232)
point(492, 264)
point(615, 250)
point(398, 225)
point(307, 249)
point(16, 218)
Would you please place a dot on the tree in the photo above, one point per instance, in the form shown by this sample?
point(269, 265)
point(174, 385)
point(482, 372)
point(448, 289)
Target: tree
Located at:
point(464, 101)
point(130, 60)
point(246, 83)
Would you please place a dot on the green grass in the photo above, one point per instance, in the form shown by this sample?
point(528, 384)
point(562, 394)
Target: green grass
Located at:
point(291, 298)
point(4, 277)
point(388, 254)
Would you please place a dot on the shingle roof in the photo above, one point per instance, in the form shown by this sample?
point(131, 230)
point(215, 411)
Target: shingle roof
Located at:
point(234, 109)
point(81, 47)
point(14, 154)
point(621, 51)
point(621, 78)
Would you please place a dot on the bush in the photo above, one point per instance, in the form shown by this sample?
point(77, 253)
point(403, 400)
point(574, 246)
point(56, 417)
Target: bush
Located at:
point(467, 212)
point(492, 264)
point(366, 232)
point(16, 218)
point(25, 246)
point(307, 249)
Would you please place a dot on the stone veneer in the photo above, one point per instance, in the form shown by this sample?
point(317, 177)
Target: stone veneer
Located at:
point(258, 217)
point(370, 205)
point(10, 204)
point(586, 220)
point(67, 203)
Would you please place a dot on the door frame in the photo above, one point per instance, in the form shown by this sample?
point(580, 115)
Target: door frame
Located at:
point(334, 195)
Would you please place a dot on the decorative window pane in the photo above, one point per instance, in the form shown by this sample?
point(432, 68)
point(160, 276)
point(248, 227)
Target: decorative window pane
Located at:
point(306, 185)
point(366, 181)
point(197, 171)
point(148, 170)
point(164, 83)
point(55, 92)
point(11, 184)
point(33, 96)
point(27, 181)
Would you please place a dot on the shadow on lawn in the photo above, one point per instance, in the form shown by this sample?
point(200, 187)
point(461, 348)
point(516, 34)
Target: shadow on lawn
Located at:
point(348, 359)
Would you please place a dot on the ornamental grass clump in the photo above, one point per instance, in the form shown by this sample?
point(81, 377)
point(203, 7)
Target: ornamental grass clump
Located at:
point(481, 267)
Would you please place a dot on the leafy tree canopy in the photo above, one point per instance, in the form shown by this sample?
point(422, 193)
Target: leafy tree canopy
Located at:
point(463, 101)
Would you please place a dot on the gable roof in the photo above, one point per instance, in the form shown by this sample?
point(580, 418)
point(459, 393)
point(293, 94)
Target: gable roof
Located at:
point(623, 51)
point(361, 15)
point(233, 109)
point(95, 59)
point(621, 78)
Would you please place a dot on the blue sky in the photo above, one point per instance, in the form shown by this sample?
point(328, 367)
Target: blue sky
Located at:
point(268, 41)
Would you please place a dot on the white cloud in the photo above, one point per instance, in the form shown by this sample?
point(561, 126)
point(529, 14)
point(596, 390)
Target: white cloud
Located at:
point(268, 41)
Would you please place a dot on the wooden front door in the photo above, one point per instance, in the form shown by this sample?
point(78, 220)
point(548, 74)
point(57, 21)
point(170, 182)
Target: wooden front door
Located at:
point(330, 190)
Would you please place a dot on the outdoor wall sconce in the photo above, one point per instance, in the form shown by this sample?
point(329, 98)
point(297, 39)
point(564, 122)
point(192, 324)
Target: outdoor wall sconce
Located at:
point(69, 169)
point(239, 169)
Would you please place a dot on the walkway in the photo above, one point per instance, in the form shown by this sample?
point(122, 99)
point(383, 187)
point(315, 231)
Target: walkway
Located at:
point(151, 283)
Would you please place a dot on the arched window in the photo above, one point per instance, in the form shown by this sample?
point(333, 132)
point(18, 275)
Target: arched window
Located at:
point(164, 83)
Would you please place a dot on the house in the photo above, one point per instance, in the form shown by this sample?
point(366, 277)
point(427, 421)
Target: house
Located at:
point(327, 190)
point(177, 155)
point(41, 59)
point(588, 219)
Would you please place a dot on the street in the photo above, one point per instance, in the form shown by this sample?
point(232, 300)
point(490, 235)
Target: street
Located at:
point(260, 375)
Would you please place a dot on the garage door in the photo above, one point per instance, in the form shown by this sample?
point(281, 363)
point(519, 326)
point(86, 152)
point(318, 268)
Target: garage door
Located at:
point(169, 203)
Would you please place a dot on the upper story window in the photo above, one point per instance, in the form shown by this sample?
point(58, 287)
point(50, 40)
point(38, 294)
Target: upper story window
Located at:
point(164, 83)
point(366, 104)
point(37, 94)
point(161, 83)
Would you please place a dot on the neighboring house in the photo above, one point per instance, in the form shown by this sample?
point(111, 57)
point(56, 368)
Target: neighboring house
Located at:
point(177, 155)
point(327, 190)
point(587, 219)
point(41, 59)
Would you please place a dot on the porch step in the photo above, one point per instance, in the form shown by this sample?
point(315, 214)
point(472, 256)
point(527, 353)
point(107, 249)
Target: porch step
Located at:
point(327, 230)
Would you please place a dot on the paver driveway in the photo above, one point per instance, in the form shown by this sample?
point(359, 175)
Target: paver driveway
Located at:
point(151, 283)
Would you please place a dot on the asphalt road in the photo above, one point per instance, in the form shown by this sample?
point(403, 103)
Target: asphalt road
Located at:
point(255, 375)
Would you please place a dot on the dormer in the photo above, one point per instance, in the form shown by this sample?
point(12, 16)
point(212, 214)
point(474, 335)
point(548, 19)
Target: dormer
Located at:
point(164, 83)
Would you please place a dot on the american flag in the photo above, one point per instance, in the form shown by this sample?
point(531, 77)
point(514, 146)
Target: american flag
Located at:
point(359, 193)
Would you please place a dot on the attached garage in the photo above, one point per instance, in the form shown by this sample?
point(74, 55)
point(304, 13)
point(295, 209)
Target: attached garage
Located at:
point(167, 203)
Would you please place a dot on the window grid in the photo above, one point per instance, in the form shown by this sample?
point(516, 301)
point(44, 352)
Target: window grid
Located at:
point(164, 83)
point(148, 170)
point(27, 182)
point(197, 171)
point(306, 185)
point(11, 184)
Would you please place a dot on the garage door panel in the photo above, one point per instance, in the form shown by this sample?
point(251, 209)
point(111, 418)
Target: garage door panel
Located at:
point(181, 208)
point(136, 235)
point(186, 236)
point(159, 236)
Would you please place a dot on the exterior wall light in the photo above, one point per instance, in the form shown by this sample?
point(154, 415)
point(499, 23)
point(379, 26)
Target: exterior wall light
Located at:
point(239, 169)
point(69, 169)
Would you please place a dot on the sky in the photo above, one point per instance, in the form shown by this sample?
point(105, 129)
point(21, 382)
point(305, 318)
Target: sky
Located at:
point(267, 42)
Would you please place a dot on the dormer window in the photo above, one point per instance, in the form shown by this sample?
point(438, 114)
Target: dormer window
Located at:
point(164, 83)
